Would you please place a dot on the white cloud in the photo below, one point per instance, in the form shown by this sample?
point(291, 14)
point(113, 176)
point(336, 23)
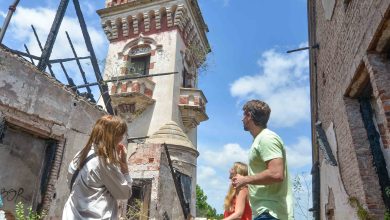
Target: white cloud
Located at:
point(283, 82)
point(299, 154)
point(208, 175)
point(3, 14)
point(214, 185)
point(213, 171)
point(229, 154)
point(21, 33)
point(43, 18)
point(88, 7)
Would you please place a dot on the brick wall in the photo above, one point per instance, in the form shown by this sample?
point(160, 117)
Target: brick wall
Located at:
point(344, 41)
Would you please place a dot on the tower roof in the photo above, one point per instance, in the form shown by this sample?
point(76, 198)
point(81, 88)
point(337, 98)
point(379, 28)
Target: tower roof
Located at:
point(171, 133)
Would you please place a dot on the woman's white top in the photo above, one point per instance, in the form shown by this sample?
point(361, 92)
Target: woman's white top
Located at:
point(96, 190)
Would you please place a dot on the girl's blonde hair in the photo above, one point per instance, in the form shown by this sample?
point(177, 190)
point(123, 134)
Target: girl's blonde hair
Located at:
point(106, 134)
point(239, 168)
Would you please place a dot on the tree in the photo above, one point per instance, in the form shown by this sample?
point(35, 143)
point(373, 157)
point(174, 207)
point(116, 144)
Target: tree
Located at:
point(203, 209)
point(302, 196)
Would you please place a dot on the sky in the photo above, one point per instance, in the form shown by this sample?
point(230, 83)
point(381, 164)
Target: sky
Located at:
point(249, 40)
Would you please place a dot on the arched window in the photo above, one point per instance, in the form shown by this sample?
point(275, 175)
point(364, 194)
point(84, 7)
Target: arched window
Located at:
point(139, 60)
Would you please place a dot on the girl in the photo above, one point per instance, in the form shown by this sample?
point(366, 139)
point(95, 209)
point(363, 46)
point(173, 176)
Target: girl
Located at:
point(98, 174)
point(237, 201)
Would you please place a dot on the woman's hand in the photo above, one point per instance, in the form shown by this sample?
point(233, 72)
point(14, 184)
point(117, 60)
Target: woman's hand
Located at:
point(122, 153)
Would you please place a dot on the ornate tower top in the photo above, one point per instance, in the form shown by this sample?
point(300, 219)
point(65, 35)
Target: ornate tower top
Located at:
point(124, 19)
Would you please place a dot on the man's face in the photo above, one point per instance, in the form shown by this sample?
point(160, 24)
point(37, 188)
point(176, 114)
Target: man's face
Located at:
point(245, 120)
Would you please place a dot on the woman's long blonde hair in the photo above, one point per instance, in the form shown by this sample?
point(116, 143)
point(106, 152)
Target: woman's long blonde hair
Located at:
point(239, 168)
point(106, 134)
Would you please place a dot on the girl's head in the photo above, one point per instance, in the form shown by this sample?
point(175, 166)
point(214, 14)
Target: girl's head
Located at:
point(106, 134)
point(238, 168)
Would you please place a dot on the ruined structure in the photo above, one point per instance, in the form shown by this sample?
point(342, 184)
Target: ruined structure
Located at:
point(42, 126)
point(149, 38)
point(350, 94)
point(155, 50)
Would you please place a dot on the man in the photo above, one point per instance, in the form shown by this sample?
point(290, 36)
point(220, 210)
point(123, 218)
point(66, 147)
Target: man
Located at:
point(268, 181)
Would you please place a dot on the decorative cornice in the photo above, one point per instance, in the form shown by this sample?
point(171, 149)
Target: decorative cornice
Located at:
point(130, 18)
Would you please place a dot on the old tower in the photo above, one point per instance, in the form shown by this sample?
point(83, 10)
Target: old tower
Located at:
point(149, 38)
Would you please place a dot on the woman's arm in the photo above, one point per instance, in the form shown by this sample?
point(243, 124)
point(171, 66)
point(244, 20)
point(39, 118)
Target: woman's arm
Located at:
point(117, 179)
point(240, 204)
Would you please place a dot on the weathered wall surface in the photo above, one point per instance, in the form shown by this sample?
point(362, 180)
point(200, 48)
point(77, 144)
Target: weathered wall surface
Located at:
point(36, 104)
point(149, 162)
point(346, 32)
point(161, 111)
point(24, 153)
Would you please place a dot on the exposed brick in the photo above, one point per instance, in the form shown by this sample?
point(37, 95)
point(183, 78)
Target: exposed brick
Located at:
point(135, 87)
point(113, 89)
point(148, 92)
point(124, 87)
point(151, 65)
point(183, 99)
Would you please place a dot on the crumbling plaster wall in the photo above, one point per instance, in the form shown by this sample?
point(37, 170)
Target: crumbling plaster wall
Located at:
point(144, 164)
point(40, 105)
point(149, 161)
point(161, 112)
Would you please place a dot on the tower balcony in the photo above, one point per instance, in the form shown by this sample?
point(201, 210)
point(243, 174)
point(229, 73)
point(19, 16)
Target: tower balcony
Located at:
point(130, 98)
point(192, 105)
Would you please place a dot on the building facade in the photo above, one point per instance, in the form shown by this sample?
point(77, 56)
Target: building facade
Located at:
point(44, 123)
point(350, 103)
point(150, 38)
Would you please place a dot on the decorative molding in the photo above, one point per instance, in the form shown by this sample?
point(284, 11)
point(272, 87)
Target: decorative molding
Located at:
point(158, 19)
point(169, 17)
point(135, 24)
point(179, 17)
point(131, 97)
point(192, 105)
point(125, 27)
point(146, 22)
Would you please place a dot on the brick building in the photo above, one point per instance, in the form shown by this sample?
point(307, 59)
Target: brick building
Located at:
point(350, 103)
point(43, 122)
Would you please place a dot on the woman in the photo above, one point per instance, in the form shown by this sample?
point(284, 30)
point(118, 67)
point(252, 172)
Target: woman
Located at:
point(98, 174)
point(237, 201)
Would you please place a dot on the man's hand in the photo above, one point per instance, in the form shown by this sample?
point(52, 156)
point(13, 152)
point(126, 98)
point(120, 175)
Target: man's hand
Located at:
point(238, 181)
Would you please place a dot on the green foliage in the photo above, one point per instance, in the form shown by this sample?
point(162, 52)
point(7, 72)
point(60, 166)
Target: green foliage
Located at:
point(387, 215)
point(199, 55)
point(30, 215)
point(387, 191)
point(203, 209)
point(360, 211)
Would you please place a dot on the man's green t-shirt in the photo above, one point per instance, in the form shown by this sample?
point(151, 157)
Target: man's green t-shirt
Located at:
point(275, 198)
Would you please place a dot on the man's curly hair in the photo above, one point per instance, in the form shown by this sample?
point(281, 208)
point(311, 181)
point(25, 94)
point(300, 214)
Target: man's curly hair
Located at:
point(259, 112)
